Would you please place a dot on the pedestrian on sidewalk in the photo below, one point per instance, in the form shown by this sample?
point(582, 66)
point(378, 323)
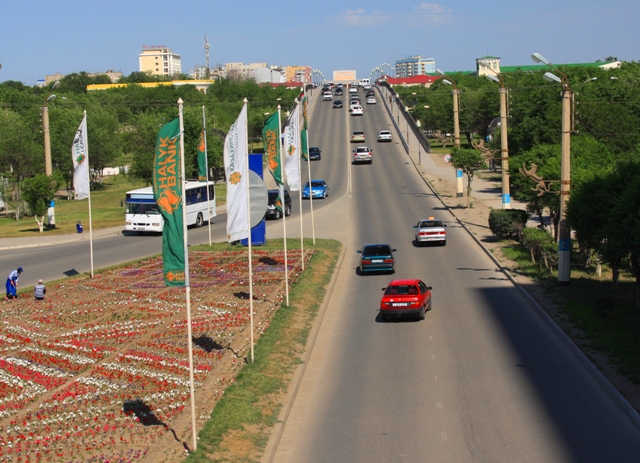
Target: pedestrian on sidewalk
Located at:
point(12, 284)
point(39, 291)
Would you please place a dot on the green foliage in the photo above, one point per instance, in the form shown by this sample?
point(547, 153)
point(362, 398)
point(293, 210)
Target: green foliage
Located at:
point(507, 223)
point(38, 190)
point(470, 161)
point(541, 246)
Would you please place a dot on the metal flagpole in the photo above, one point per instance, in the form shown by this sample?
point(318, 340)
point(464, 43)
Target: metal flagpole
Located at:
point(86, 147)
point(313, 226)
point(186, 279)
point(246, 144)
point(206, 163)
point(283, 202)
point(304, 92)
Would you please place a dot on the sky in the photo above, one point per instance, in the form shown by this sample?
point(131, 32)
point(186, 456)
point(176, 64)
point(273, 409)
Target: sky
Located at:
point(39, 38)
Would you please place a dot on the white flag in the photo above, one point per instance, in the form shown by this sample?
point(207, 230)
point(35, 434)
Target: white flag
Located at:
point(292, 149)
point(236, 154)
point(80, 155)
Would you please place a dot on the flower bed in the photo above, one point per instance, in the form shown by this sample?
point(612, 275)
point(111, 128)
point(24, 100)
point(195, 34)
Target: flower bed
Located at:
point(99, 371)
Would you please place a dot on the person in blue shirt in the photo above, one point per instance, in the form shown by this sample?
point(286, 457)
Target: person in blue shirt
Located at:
point(12, 283)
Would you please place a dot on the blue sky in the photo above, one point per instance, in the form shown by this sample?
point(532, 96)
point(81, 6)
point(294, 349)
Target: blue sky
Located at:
point(39, 38)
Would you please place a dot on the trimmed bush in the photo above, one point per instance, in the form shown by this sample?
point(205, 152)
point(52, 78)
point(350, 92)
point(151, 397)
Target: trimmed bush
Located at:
point(508, 223)
point(541, 246)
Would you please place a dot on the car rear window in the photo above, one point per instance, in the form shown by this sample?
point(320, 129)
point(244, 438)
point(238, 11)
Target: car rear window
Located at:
point(376, 251)
point(430, 224)
point(401, 289)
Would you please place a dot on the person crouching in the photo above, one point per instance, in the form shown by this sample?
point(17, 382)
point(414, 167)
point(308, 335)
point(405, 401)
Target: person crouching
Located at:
point(39, 291)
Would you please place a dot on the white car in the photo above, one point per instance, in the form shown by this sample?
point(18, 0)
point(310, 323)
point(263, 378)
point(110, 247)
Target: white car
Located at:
point(384, 135)
point(326, 96)
point(362, 154)
point(431, 230)
point(371, 100)
point(353, 89)
point(357, 111)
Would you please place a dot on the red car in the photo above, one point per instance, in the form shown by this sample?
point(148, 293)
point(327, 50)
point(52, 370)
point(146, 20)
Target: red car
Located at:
point(405, 298)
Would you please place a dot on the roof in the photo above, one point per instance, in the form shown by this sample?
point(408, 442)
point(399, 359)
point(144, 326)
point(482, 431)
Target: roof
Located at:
point(414, 281)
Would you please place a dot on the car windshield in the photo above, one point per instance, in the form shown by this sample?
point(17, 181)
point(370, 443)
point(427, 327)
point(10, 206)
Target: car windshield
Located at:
point(377, 250)
point(402, 289)
point(314, 184)
point(430, 224)
point(314, 150)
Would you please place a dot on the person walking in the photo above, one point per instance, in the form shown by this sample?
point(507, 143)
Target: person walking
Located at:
point(12, 283)
point(39, 291)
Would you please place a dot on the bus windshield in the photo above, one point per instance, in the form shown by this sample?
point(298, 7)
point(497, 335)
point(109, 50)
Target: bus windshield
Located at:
point(142, 208)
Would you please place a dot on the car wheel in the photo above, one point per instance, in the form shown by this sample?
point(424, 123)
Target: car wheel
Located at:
point(287, 211)
point(421, 315)
point(444, 243)
point(199, 220)
point(278, 214)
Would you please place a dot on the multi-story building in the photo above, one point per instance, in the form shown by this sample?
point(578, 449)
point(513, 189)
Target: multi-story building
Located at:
point(415, 65)
point(241, 71)
point(159, 61)
point(298, 74)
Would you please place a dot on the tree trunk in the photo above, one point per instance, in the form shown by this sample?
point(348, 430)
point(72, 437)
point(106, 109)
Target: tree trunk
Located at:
point(40, 223)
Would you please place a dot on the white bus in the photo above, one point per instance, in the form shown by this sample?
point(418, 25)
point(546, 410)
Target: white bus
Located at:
point(143, 215)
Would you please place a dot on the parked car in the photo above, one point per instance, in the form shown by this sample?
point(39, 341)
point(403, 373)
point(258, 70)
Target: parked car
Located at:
point(272, 210)
point(430, 231)
point(357, 137)
point(318, 189)
point(405, 298)
point(314, 153)
point(384, 135)
point(377, 258)
point(362, 154)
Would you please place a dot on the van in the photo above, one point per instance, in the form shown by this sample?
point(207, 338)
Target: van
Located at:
point(365, 83)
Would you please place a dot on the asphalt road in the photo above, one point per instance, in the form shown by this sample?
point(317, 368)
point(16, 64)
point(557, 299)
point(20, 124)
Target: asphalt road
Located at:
point(484, 378)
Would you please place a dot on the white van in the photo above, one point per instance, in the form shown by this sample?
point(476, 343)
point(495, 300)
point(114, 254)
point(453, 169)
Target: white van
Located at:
point(365, 83)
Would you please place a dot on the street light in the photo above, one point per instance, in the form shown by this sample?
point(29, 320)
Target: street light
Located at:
point(564, 235)
point(504, 141)
point(406, 110)
point(456, 109)
point(427, 107)
point(419, 151)
point(456, 130)
point(48, 169)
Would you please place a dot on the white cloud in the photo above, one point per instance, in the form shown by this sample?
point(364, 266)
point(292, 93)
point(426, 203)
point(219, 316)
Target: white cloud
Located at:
point(433, 13)
point(430, 13)
point(360, 18)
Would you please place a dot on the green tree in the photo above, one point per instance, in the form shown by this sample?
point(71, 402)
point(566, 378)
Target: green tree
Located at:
point(38, 191)
point(469, 161)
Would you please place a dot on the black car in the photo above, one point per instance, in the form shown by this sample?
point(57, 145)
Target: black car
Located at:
point(337, 104)
point(314, 153)
point(272, 211)
point(337, 92)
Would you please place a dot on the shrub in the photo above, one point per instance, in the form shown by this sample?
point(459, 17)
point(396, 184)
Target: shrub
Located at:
point(541, 246)
point(507, 223)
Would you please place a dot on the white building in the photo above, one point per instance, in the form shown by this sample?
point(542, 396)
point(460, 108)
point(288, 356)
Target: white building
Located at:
point(159, 61)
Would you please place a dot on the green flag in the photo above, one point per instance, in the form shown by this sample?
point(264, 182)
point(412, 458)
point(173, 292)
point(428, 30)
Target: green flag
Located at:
point(271, 142)
point(304, 145)
point(202, 159)
point(167, 191)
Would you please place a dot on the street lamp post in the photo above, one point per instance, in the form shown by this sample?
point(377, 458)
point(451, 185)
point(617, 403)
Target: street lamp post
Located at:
point(564, 235)
point(427, 107)
point(48, 168)
point(406, 110)
point(419, 143)
point(456, 129)
point(504, 140)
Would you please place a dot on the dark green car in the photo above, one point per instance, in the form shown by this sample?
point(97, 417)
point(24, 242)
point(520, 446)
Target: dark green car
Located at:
point(377, 258)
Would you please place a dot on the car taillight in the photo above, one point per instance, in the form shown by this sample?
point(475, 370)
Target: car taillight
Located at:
point(388, 261)
point(366, 261)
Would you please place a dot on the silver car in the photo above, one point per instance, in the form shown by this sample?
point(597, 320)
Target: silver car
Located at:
point(431, 230)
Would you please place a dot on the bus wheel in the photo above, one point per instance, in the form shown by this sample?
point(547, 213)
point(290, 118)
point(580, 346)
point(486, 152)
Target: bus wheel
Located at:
point(199, 220)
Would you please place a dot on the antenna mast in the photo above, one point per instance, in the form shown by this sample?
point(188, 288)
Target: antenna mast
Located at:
point(206, 55)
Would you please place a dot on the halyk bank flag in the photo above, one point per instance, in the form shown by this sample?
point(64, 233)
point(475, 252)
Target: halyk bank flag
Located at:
point(271, 143)
point(80, 161)
point(292, 150)
point(167, 191)
point(202, 158)
point(236, 152)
